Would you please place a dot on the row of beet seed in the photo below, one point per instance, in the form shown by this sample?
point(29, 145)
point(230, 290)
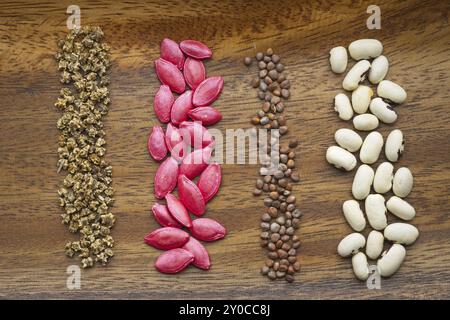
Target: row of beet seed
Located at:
point(178, 170)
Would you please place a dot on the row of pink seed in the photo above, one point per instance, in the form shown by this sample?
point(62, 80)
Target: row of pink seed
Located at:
point(182, 64)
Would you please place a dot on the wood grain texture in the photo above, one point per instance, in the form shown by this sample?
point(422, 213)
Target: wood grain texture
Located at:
point(416, 37)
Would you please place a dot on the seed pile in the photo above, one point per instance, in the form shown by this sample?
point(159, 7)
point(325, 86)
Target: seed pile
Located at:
point(180, 65)
point(86, 195)
point(383, 179)
point(281, 220)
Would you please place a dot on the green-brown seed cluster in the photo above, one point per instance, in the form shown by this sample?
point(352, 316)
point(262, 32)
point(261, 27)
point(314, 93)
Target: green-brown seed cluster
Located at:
point(86, 195)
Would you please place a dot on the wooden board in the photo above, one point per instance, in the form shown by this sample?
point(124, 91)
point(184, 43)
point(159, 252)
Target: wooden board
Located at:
point(416, 38)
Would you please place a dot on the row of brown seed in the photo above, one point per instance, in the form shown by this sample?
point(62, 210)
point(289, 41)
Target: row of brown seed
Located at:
point(86, 193)
point(279, 222)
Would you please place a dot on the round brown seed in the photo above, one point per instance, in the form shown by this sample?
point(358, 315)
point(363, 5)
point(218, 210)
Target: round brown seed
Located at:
point(265, 270)
point(272, 275)
point(247, 61)
point(274, 237)
point(276, 58)
point(272, 211)
point(285, 93)
point(263, 74)
point(269, 51)
point(270, 66)
point(265, 217)
point(273, 74)
point(262, 65)
point(259, 56)
point(280, 67)
point(269, 263)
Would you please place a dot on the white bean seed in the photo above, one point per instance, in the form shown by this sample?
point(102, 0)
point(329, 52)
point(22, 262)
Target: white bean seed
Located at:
point(378, 69)
point(382, 181)
point(391, 91)
point(400, 208)
point(371, 148)
point(355, 75)
point(351, 244)
point(403, 182)
point(365, 49)
point(362, 182)
point(343, 106)
point(360, 266)
point(376, 211)
point(383, 111)
point(391, 260)
point(348, 139)
point(403, 233)
point(361, 99)
point(374, 245)
point(354, 215)
point(338, 59)
point(365, 122)
point(341, 158)
point(395, 145)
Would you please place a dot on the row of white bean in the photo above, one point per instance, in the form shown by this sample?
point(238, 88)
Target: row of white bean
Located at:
point(381, 180)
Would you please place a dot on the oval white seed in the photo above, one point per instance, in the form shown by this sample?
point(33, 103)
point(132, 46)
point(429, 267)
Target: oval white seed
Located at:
point(400, 208)
point(355, 75)
point(403, 182)
point(341, 158)
point(361, 99)
point(378, 69)
point(351, 244)
point(384, 174)
point(383, 111)
point(365, 122)
point(391, 260)
point(376, 211)
point(362, 182)
point(391, 91)
point(371, 148)
point(360, 266)
point(348, 139)
point(395, 145)
point(343, 106)
point(338, 59)
point(374, 245)
point(403, 233)
point(365, 49)
point(354, 215)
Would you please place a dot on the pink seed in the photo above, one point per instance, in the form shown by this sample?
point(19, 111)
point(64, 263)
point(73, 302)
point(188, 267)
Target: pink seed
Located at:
point(207, 229)
point(195, 162)
point(174, 261)
point(167, 238)
point(190, 195)
point(207, 91)
point(171, 52)
point(201, 256)
point(174, 142)
point(209, 181)
point(207, 116)
point(170, 75)
point(166, 177)
point(194, 72)
point(162, 103)
point(196, 134)
point(195, 49)
point(156, 144)
point(163, 216)
point(181, 107)
point(178, 211)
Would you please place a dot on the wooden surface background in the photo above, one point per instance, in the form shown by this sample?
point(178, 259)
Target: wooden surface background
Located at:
point(416, 38)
